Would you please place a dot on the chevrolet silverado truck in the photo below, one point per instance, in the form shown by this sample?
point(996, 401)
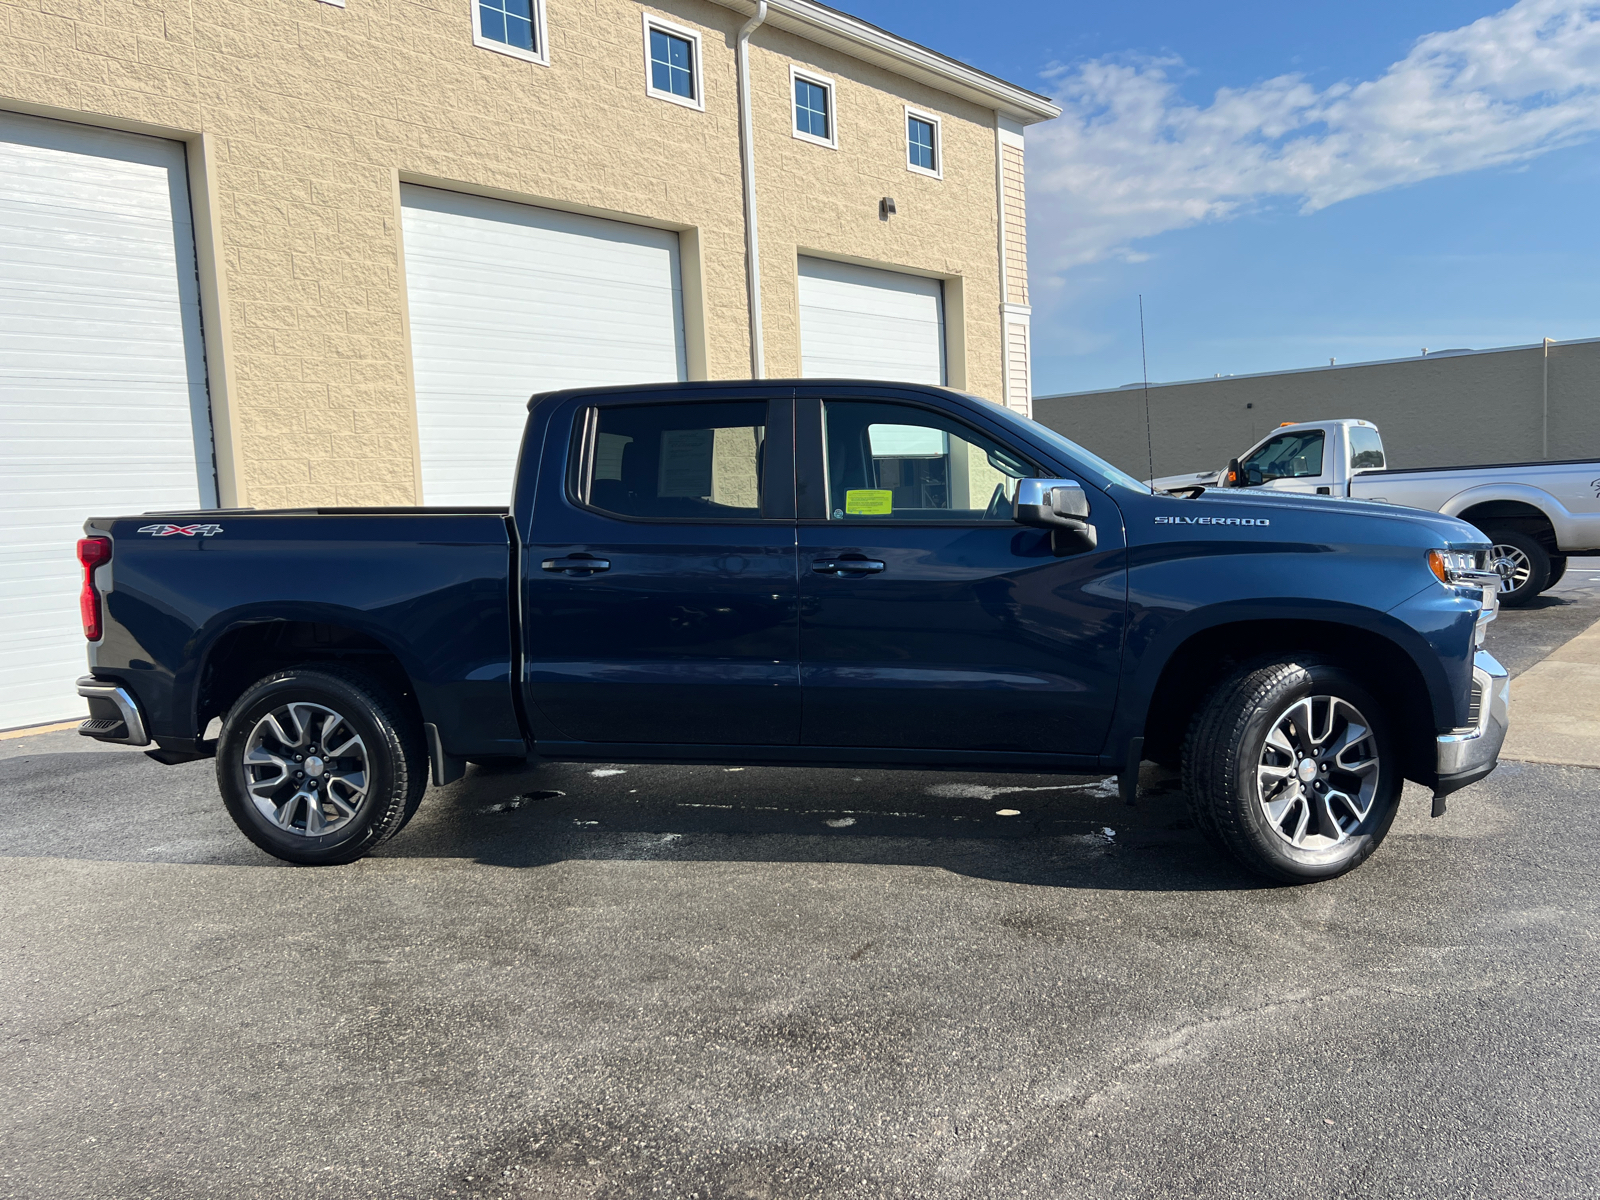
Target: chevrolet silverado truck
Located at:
point(821, 573)
point(1534, 514)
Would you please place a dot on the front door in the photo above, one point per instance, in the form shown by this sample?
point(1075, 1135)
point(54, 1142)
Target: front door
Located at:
point(929, 619)
point(1295, 461)
point(660, 597)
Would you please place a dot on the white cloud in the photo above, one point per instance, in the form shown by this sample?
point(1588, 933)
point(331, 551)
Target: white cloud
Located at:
point(1130, 158)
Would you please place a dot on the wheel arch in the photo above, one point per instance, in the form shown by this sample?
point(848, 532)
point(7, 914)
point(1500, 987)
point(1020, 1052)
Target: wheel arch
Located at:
point(1397, 675)
point(243, 647)
point(1519, 513)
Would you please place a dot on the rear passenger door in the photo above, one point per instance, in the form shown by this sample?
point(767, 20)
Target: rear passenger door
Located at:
point(660, 602)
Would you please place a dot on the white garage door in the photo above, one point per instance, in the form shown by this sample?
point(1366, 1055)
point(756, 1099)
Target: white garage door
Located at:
point(864, 323)
point(507, 300)
point(103, 407)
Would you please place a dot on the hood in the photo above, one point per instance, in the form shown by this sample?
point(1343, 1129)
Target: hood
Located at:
point(1450, 532)
point(1167, 482)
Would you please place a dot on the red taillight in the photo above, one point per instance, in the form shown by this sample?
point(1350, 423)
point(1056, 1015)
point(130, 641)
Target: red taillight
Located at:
point(92, 552)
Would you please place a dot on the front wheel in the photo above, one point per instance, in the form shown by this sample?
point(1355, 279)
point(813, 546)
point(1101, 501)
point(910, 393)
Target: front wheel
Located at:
point(1522, 564)
point(319, 765)
point(1290, 766)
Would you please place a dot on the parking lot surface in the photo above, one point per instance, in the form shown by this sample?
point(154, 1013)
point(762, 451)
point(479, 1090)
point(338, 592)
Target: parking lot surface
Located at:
point(589, 981)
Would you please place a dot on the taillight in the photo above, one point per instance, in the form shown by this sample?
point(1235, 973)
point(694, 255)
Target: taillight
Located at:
point(92, 552)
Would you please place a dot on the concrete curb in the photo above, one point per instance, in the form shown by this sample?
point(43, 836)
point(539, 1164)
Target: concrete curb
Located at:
point(1555, 706)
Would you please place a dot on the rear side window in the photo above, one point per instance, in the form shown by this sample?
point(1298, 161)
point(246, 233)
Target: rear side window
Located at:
point(1366, 449)
point(676, 461)
point(1288, 456)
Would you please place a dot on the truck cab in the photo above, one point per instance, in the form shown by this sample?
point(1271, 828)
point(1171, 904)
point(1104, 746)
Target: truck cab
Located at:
point(1314, 457)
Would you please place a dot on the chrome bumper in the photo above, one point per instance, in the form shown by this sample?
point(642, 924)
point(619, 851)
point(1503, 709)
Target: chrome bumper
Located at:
point(114, 714)
point(1466, 755)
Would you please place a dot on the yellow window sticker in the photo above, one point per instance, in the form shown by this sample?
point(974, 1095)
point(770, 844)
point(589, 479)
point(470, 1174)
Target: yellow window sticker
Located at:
point(869, 502)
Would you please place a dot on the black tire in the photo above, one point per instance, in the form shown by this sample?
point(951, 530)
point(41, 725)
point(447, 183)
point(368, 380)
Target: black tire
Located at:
point(1520, 553)
point(1227, 744)
point(1558, 568)
point(389, 746)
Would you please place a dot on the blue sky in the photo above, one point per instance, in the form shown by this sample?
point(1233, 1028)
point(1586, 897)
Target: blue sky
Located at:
point(1374, 178)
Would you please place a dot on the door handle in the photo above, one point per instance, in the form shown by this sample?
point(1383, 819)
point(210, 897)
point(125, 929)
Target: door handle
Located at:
point(842, 567)
point(577, 565)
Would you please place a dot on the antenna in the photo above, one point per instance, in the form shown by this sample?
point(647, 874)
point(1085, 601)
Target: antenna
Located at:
point(1144, 361)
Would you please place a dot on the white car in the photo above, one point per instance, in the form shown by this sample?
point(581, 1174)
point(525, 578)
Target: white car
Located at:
point(1536, 514)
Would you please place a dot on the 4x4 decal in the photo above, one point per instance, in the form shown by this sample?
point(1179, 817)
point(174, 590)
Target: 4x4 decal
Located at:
point(186, 530)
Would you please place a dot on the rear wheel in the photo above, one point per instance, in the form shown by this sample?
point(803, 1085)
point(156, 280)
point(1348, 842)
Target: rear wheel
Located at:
point(1558, 568)
point(1291, 768)
point(319, 765)
point(1522, 564)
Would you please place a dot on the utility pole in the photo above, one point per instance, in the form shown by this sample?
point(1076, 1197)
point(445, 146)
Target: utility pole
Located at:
point(1546, 422)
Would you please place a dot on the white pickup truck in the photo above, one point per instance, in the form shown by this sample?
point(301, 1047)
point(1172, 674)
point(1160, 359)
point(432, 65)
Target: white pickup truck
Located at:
point(1536, 514)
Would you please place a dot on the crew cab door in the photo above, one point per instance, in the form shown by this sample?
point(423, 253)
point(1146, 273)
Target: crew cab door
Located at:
point(929, 618)
point(659, 594)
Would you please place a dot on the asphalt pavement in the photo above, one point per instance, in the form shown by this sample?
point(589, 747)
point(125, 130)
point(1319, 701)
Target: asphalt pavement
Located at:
point(612, 982)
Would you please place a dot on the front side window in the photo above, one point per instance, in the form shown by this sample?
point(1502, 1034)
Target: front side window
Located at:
point(813, 110)
point(895, 462)
point(922, 144)
point(511, 27)
point(677, 461)
point(1287, 456)
point(672, 62)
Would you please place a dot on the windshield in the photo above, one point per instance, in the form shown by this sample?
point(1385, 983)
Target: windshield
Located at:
point(1106, 474)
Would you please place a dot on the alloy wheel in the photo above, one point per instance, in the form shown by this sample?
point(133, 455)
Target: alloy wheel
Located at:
point(1511, 564)
point(1318, 773)
point(306, 769)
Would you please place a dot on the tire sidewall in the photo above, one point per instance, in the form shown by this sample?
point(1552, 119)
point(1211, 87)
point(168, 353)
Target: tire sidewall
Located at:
point(1290, 861)
point(331, 692)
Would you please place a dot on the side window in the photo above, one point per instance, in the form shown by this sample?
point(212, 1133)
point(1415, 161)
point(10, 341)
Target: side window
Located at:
point(514, 27)
point(814, 117)
point(1287, 456)
point(1366, 449)
point(672, 63)
point(895, 462)
point(677, 461)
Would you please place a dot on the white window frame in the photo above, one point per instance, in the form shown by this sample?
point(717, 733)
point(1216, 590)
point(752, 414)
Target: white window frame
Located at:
point(541, 36)
point(822, 81)
point(938, 143)
point(693, 38)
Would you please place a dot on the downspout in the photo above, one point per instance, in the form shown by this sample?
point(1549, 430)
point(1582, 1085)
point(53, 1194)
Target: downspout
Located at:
point(1005, 285)
point(747, 156)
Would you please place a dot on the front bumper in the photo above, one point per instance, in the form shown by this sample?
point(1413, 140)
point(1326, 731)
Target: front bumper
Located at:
point(1467, 755)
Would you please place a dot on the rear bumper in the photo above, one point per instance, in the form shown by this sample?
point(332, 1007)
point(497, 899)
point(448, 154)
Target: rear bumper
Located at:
point(114, 713)
point(1467, 755)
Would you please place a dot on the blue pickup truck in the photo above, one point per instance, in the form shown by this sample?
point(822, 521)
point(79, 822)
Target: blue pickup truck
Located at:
point(828, 573)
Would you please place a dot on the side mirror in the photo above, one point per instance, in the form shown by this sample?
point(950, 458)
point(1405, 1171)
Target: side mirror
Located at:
point(1059, 505)
point(1230, 477)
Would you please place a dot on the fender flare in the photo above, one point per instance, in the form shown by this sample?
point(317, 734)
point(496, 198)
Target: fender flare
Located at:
point(1521, 493)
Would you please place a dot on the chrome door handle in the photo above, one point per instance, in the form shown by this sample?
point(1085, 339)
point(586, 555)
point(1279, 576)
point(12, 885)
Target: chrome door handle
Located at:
point(846, 566)
point(577, 566)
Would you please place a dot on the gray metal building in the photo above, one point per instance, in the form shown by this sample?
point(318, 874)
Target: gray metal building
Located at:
point(1453, 407)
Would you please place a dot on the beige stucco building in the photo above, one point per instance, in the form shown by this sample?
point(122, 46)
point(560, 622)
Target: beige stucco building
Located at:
point(304, 123)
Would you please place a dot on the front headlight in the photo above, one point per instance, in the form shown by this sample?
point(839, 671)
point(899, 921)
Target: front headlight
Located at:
point(1455, 568)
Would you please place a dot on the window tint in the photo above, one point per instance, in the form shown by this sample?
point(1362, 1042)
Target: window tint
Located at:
point(891, 461)
point(811, 108)
point(920, 147)
point(678, 461)
point(1366, 449)
point(508, 21)
point(1287, 456)
point(671, 64)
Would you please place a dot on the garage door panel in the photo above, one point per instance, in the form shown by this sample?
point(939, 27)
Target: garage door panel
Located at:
point(867, 323)
point(507, 300)
point(103, 403)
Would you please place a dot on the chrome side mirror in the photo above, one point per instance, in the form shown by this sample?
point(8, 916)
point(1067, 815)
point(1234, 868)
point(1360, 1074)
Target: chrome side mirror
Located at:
point(1059, 505)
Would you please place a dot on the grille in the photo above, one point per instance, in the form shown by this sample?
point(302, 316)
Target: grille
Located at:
point(1475, 704)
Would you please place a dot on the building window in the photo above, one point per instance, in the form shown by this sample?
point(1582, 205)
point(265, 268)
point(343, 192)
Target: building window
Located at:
point(672, 63)
point(814, 116)
point(923, 152)
point(514, 27)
